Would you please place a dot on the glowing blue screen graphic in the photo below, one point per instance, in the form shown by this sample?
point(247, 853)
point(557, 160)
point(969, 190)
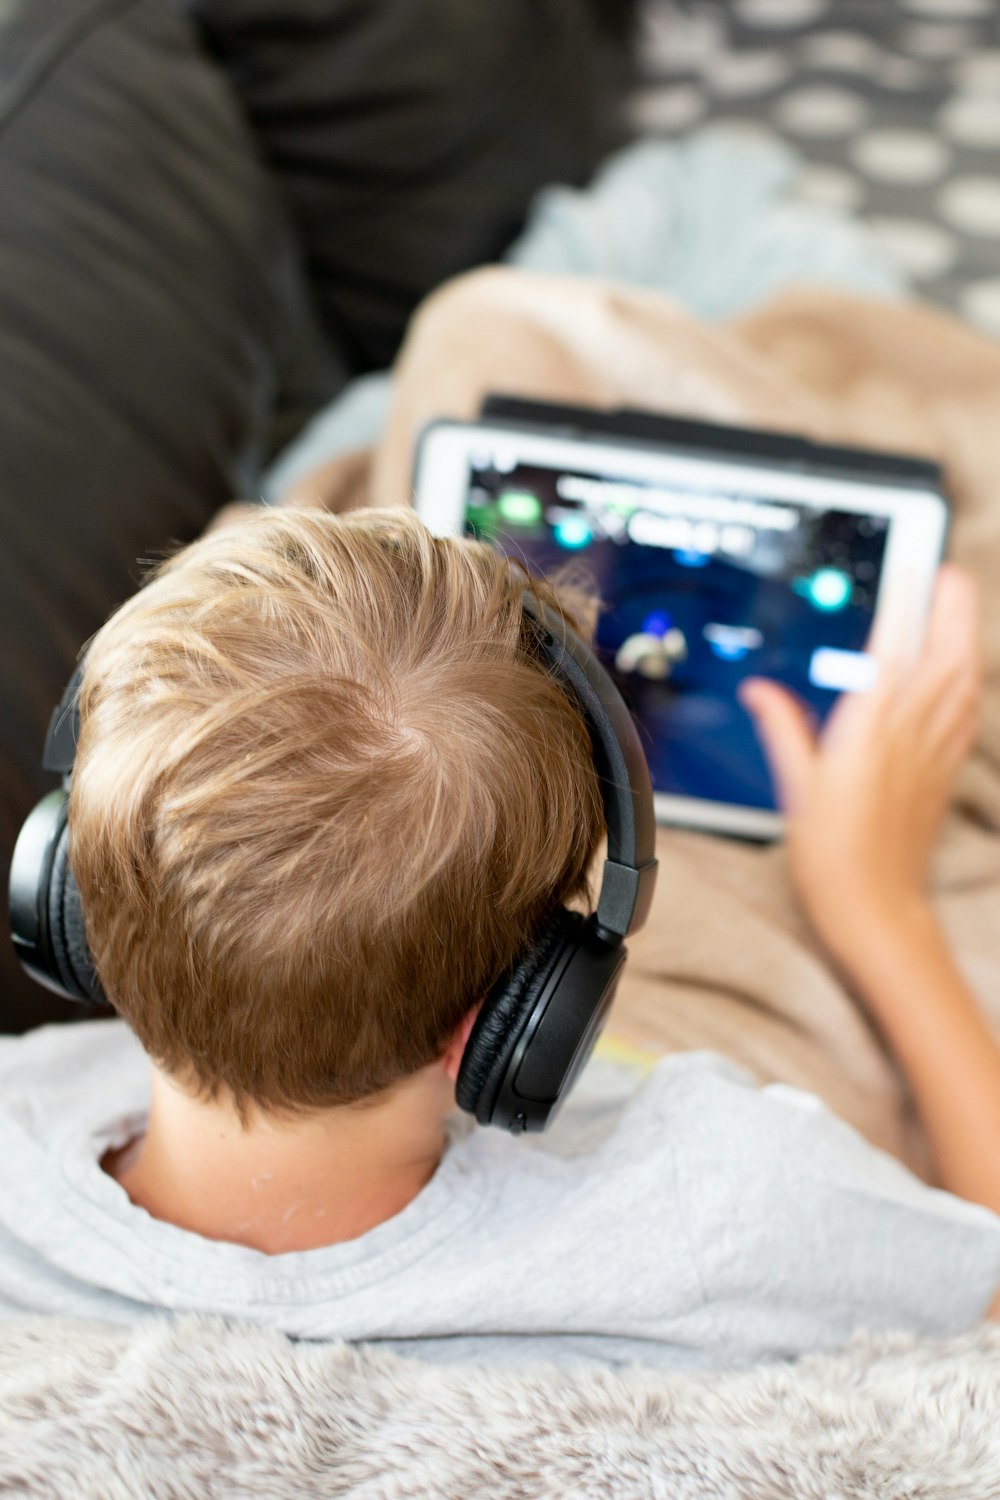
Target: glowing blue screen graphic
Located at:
point(698, 591)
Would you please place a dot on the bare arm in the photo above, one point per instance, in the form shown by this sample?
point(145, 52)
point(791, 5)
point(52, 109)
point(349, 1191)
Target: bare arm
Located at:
point(864, 805)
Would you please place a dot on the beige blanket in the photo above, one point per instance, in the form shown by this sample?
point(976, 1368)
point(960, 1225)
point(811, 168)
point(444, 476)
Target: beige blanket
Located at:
point(727, 961)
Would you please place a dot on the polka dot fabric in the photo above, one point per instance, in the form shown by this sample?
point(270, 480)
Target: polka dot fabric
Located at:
point(894, 104)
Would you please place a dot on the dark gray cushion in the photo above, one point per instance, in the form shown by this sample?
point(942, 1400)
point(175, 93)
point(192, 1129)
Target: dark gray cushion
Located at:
point(408, 136)
point(152, 307)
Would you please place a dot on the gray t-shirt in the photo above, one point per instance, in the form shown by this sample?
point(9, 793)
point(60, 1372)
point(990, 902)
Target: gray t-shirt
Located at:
point(698, 1221)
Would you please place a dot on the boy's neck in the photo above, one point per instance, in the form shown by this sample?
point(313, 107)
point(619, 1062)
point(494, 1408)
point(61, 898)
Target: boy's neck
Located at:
point(290, 1184)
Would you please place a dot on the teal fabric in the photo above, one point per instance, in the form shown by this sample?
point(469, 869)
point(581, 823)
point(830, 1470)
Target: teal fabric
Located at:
point(712, 221)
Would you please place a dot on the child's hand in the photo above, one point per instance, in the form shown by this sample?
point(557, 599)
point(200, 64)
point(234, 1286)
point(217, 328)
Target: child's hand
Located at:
point(865, 800)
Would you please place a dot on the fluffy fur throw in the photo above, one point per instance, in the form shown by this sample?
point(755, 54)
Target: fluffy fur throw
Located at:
point(196, 1409)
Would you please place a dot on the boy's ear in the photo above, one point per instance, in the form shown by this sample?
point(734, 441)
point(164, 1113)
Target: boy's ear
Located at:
point(452, 1054)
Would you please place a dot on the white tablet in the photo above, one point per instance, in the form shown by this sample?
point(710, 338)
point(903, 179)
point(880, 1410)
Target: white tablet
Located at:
point(715, 560)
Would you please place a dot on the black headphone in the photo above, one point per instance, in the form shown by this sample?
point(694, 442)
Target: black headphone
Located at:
point(540, 1021)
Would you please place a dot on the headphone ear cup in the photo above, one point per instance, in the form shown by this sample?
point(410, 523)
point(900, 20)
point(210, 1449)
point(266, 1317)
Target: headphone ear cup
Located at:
point(505, 1014)
point(71, 959)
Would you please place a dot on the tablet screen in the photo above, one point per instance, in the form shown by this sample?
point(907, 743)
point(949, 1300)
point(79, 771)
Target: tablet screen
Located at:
point(700, 589)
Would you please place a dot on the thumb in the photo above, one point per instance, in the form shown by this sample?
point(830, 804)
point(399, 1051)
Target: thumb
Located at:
point(786, 733)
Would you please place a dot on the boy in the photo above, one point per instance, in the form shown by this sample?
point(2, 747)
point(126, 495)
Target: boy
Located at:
point(323, 796)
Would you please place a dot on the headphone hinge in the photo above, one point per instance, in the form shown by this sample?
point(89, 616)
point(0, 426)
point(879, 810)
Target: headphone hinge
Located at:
point(626, 895)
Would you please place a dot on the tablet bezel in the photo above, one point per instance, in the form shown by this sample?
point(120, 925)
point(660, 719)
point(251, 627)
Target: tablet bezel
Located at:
point(913, 554)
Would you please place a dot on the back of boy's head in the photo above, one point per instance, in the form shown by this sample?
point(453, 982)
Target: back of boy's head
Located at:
point(324, 793)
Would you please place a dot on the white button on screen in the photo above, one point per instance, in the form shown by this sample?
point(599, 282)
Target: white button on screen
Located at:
point(842, 671)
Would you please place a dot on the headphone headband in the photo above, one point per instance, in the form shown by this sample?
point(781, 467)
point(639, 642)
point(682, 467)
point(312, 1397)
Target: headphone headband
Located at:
point(629, 874)
point(63, 733)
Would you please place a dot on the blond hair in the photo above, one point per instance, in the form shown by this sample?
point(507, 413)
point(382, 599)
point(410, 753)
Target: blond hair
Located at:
point(324, 793)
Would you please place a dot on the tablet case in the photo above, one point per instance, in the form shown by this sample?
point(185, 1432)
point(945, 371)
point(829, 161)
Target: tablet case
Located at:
point(712, 440)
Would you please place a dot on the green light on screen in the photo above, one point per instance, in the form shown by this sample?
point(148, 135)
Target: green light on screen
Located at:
point(480, 521)
point(520, 507)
